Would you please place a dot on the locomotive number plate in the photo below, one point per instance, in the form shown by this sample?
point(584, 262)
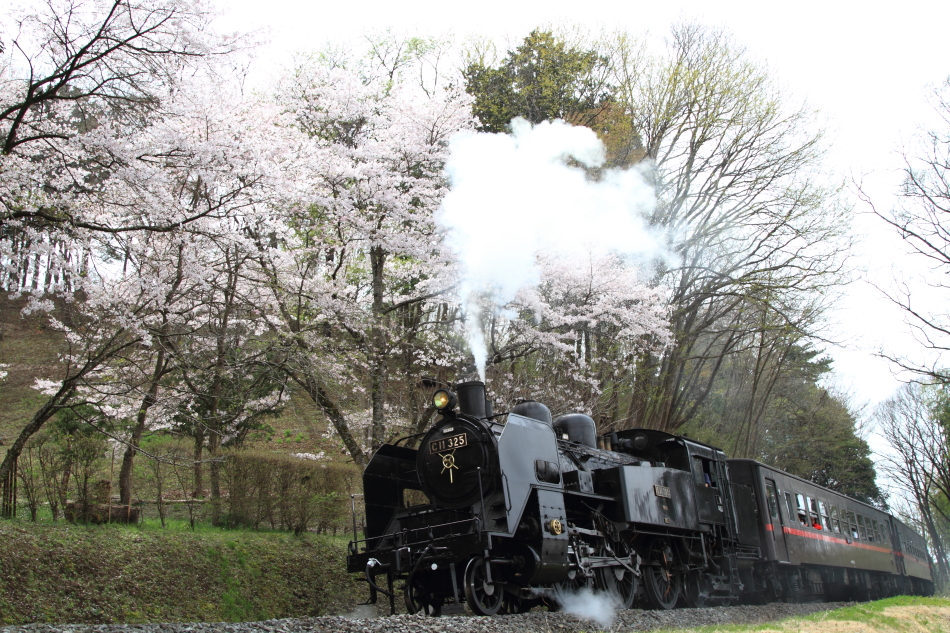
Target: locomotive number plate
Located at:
point(448, 443)
point(662, 491)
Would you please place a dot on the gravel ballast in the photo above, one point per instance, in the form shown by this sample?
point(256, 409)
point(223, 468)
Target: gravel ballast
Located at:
point(534, 622)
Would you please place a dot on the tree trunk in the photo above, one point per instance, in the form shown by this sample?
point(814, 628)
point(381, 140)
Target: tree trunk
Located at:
point(198, 474)
point(49, 408)
point(377, 352)
point(128, 458)
point(214, 476)
point(323, 400)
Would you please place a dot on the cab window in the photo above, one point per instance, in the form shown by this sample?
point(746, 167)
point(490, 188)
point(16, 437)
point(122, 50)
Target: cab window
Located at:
point(771, 498)
point(704, 472)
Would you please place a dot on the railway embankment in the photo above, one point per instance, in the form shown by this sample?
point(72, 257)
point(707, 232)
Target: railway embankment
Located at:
point(119, 579)
point(125, 574)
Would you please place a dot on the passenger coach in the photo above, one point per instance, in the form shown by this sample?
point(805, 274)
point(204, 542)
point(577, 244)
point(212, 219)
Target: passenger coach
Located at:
point(820, 544)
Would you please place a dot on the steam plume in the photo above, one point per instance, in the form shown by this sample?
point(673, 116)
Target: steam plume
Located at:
point(588, 605)
point(514, 196)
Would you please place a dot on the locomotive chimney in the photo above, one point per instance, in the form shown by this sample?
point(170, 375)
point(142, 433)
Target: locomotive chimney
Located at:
point(472, 398)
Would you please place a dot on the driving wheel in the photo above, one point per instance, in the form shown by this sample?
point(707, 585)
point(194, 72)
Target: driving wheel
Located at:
point(661, 583)
point(618, 581)
point(483, 597)
point(417, 601)
point(574, 583)
point(697, 590)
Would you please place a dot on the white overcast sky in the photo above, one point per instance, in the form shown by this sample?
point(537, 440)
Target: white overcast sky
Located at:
point(866, 67)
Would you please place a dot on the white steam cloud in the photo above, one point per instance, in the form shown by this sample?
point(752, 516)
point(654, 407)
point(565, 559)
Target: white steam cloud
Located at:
point(589, 605)
point(515, 195)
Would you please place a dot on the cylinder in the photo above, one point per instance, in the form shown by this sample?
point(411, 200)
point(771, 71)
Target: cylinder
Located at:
point(472, 398)
point(578, 428)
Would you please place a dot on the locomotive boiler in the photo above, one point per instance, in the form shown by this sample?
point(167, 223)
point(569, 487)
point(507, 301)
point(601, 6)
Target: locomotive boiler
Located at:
point(506, 512)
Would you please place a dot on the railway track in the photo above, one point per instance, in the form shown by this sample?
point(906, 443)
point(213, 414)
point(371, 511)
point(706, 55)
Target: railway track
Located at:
point(538, 621)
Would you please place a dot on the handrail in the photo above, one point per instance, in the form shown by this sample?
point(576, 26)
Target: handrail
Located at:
point(427, 528)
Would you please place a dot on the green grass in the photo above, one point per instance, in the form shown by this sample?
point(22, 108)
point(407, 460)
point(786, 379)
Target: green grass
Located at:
point(59, 573)
point(868, 614)
point(872, 613)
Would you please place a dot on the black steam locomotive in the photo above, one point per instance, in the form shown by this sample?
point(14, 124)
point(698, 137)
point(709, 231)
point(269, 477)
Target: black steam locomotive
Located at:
point(504, 516)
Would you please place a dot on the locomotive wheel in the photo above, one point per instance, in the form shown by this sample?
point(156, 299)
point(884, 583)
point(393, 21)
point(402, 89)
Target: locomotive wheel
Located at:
point(569, 586)
point(617, 581)
point(483, 598)
point(696, 590)
point(661, 583)
point(417, 601)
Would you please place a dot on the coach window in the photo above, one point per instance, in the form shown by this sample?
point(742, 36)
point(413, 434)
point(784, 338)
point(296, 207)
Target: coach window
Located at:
point(790, 507)
point(823, 510)
point(802, 514)
point(813, 513)
point(852, 525)
point(861, 529)
point(835, 524)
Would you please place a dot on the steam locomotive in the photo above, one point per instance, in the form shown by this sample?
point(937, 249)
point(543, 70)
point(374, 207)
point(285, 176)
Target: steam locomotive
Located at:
point(503, 516)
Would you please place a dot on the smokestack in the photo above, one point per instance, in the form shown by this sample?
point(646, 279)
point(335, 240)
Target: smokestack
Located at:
point(472, 398)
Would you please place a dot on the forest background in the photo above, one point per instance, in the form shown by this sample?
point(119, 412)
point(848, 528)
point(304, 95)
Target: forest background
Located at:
point(191, 268)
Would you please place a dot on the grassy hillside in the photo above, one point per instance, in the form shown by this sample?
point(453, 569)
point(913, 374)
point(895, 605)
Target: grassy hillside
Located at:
point(30, 350)
point(80, 574)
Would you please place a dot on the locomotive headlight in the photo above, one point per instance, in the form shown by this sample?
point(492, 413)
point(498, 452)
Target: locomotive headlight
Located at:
point(444, 399)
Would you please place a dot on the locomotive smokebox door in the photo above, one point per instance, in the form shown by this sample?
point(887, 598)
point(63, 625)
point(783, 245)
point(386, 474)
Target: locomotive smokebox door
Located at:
point(456, 463)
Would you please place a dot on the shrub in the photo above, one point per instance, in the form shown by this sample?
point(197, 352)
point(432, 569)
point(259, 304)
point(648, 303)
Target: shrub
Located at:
point(283, 492)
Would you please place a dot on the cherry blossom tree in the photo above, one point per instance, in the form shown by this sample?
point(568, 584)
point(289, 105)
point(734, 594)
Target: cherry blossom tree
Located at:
point(359, 263)
point(568, 341)
point(201, 151)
